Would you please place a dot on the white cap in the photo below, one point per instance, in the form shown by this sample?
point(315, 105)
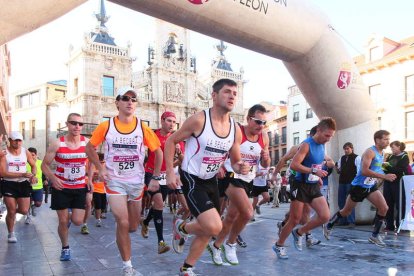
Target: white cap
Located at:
point(15, 135)
point(124, 89)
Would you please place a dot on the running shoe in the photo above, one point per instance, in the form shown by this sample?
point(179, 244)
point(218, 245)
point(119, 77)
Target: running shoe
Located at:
point(230, 255)
point(130, 271)
point(98, 223)
point(215, 253)
point(103, 216)
point(178, 235)
point(144, 230)
point(11, 238)
point(84, 229)
point(258, 210)
point(377, 240)
point(297, 240)
point(163, 247)
point(327, 230)
point(241, 242)
point(187, 272)
point(311, 241)
point(28, 219)
point(65, 255)
point(253, 218)
point(280, 251)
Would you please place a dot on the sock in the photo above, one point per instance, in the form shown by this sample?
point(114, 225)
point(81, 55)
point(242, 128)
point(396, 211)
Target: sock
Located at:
point(378, 224)
point(335, 219)
point(65, 247)
point(185, 266)
point(283, 223)
point(181, 227)
point(127, 263)
point(149, 216)
point(158, 222)
point(297, 232)
point(215, 246)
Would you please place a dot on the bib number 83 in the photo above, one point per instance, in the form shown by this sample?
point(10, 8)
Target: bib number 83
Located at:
point(126, 165)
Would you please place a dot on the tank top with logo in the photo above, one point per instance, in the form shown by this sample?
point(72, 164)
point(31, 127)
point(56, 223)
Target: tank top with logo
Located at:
point(17, 164)
point(205, 153)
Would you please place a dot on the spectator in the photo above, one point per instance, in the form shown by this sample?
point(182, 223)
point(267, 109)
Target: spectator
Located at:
point(396, 163)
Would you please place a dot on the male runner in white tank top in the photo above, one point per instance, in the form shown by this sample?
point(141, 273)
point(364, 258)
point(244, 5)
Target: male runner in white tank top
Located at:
point(211, 135)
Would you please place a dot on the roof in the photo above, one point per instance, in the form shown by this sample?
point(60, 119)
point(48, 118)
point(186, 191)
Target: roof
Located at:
point(404, 50)
point(58, 82)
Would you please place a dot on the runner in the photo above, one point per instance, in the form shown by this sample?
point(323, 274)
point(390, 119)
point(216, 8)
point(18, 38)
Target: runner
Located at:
point(68, 181)
point(369, 174)
point(307, 163)
point(125, 137)
point(17, 181)
point(210, 136)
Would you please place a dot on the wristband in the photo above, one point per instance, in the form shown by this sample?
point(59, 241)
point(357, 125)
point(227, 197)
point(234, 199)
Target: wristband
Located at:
point(158, 178)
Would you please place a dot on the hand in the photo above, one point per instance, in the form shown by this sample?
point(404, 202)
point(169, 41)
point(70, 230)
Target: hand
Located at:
point(27, 175)
point(57, 183)
point(154, 185)
point(90, 187)
point(221, 173)
point(390, 177)
point(264, 155)
point(321, 173)
point(33, 179)
point(171, 180)
point(178, 150)
point(103, 175)
point(244, 168)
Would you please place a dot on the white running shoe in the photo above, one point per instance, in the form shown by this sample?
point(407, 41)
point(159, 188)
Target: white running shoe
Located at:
point(280, 251)
point(130, 271)
point(28, 219)
point(311, 241)
point(297, 240)
point(11, 238)
point(230, 255)
point(215, 253)
point(377, 240)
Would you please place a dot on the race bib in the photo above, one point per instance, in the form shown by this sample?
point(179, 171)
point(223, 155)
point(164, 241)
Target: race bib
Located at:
point(73, 173)
point(125, 165)
point(210, 166)
point(314, 177)
point(17, 167)
point(370, 181)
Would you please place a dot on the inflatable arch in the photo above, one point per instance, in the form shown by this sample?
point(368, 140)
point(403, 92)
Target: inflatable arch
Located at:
point(291, 30)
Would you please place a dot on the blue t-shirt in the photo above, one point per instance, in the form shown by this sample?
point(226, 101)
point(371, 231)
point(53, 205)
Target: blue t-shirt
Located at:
point(313, 159)
point(376, 166)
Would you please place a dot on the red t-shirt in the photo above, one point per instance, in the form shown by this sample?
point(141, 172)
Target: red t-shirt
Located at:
point(149, 166)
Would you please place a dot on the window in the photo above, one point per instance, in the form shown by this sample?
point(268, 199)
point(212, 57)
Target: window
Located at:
point(409, 88)
point(276, 138)
point(295, 112)
point(177, 126)
point(375, 93)
point(108, 86)
point(146, 122)
point(32, 129)
point(22, 127)
point(284, 151)
point(270, 138)
point(76, 86)
point(296, 138)
point(409, 125)
point(276, 157)
point(375, 53)
point(29, 99)
point(309, 113)
point(307, 133)
point(283, 135)
point(105, 119)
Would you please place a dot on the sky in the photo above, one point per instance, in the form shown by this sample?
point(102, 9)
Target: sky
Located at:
point(40, 56)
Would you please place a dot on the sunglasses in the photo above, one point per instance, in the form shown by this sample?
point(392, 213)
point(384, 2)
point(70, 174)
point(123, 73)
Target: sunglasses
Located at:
point(126, 98)
point(74, 123)
point(258, 121)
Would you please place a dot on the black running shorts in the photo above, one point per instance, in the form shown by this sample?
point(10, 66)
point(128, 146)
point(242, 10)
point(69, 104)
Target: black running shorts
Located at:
point(358, 193)
point(16, 189)
point(304, 192)
point(68, 198)
point(201, 194)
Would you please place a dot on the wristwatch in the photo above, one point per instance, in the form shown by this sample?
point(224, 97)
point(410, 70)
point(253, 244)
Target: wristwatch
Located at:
point(314, 170)
point(158, 178)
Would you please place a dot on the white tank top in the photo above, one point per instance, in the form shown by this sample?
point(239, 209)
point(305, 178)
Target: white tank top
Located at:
point(205, 153)
point(260, 181)
point(250, 153)
point(16, 164)
point(124, 154)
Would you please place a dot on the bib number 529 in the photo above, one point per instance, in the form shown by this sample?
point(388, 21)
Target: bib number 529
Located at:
point(212, 167)
point(126, 165)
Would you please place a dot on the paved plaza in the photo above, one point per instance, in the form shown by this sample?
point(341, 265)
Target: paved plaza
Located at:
point(347, 253)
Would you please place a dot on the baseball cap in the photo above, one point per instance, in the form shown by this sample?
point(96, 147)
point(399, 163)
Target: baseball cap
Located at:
point(167, 114)
point(15, 135)
point(124, 89)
